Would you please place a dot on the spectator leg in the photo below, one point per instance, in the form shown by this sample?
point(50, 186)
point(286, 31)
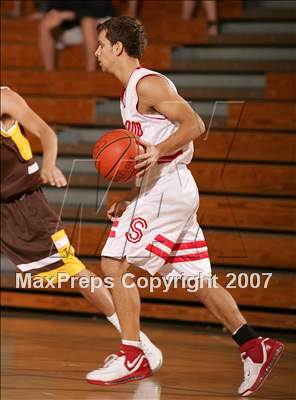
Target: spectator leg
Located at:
point(46, 40)
point(210, 7)
point(88, 27)
point(49, 22)
point(132, 8)
point(187, 8)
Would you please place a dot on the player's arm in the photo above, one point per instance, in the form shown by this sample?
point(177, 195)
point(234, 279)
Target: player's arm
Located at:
point(15, 106)
point(155, 93)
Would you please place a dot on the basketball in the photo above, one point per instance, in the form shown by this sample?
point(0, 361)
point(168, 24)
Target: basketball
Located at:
point(114, 155)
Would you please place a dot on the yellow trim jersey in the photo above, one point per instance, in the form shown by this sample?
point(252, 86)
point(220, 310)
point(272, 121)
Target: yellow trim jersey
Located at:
point(19, 171)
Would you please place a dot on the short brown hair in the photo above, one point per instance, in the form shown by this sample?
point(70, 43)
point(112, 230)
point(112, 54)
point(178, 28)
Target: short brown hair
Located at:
point(127, 30)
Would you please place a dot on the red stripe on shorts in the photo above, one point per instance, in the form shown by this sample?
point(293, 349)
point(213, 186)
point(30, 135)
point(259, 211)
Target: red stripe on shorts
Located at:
point(161, 239)
point(155, 250)
point(115, 224)
point(112, 234)
point(187, 257)
point(190, 245)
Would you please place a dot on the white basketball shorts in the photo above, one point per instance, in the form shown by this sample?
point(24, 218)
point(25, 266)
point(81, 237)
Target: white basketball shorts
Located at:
point(159, 232)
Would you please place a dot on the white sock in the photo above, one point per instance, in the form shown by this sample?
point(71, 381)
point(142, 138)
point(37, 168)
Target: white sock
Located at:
point(144, 338)
point(132, 343)
point(113, 319)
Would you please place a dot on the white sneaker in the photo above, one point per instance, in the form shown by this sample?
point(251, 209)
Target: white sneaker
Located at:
point(129, 364)
point(259, 357)
point(153, 353)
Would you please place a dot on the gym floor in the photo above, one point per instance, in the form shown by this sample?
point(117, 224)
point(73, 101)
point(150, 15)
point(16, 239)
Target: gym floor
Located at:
point(46, 356)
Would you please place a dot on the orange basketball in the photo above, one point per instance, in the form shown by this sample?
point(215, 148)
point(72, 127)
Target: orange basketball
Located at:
point(114, 155)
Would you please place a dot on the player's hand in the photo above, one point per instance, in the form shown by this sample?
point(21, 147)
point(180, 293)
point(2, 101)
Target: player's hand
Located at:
point(53, 176)
point(148, 159)
point(117, 209)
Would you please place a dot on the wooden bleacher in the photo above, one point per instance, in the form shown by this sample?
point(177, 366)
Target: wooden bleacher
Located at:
point(228, 178)
point(246, 145)
point(281, 86)
point(25, 55)
point(244, 167)
point(263, 115)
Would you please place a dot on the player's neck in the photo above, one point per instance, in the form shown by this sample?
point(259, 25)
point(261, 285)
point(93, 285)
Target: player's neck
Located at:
point(124, 71)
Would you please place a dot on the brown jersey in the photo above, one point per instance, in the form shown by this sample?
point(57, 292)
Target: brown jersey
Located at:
point(19, 171)
point(32, 235)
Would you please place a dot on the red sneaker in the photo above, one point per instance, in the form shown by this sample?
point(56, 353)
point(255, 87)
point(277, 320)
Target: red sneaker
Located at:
point(129, 364)
point(259, 357)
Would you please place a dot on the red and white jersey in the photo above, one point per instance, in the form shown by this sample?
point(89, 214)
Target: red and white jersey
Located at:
point(152, 128)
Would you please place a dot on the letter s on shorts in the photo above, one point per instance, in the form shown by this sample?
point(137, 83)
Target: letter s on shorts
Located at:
point(135, 233)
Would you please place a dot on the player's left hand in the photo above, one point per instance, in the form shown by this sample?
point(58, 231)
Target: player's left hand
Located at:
point(53, 176)
point(148, 159)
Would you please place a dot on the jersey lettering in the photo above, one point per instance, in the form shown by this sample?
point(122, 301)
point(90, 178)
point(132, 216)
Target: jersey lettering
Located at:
point(135, 233)
point(134, 127)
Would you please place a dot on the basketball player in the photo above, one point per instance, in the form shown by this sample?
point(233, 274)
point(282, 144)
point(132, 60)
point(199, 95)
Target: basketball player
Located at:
point(158, 230)
point(32, 236)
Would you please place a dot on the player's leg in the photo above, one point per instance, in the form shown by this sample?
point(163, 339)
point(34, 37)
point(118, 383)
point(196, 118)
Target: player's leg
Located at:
point(125, 297)
point(99, 297)
point(221, 304)
point(258, 354)
point(130, 363)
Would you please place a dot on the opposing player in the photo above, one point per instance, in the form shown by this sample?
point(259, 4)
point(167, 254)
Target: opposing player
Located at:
point(32, 236)
point(157, 230)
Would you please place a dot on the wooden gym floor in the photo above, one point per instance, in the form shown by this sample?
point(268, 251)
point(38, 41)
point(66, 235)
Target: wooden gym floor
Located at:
point(47, 357)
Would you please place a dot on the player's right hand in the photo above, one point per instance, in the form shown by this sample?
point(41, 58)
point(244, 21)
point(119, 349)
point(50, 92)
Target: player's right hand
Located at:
point(117, 209)
point(53, 176)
